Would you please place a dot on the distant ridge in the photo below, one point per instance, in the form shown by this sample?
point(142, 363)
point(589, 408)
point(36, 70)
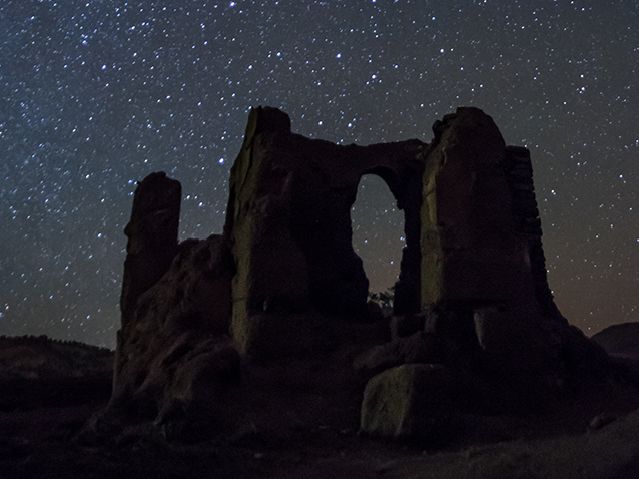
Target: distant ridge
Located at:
point(620, 339)
point(37, 370)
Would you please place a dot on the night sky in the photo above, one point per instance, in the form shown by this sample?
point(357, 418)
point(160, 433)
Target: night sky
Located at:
point(96, 94)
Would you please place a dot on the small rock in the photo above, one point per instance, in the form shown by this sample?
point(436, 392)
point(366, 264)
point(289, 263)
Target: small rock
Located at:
point(386, 467)
point(600, 421)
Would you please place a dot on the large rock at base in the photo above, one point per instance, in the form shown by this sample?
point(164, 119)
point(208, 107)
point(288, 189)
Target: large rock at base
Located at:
point(410, 401)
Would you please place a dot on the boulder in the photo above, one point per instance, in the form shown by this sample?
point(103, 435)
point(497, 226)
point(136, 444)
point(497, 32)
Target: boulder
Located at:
point(409, 401)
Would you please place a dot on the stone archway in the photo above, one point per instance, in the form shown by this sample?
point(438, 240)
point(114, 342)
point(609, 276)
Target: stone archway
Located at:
point(289, 225)
point(378, 232)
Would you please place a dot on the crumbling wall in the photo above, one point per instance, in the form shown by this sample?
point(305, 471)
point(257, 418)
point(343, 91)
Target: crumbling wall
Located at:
point(289, 226)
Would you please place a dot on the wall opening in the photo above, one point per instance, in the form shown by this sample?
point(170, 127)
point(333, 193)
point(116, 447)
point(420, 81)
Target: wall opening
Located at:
point(378, 233)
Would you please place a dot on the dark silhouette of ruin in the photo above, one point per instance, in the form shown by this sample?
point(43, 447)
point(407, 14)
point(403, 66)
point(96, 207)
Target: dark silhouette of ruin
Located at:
point(472, 303)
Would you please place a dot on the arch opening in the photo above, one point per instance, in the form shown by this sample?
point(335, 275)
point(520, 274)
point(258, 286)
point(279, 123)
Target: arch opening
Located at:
point(378, 235)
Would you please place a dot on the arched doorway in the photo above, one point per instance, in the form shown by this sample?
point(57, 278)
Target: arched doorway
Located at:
point(378, 233)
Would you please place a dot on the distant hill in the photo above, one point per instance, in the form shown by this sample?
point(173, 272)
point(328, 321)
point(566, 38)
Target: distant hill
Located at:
point(620, 339)
point(36, 370)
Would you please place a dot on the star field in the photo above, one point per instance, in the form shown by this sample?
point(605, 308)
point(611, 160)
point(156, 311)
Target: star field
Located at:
point(97, 94)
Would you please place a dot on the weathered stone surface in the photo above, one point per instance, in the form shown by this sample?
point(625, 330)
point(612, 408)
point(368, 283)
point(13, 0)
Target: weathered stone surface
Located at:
point(289, 334)
point(470, 249)
point(408, 401)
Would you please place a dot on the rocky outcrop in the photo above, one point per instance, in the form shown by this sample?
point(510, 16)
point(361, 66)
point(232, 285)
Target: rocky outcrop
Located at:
point(174, 356)
point(472, 304)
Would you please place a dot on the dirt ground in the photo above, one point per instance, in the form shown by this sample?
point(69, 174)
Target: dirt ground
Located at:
point(43, 443)
point(291, 431)
point(39, 444)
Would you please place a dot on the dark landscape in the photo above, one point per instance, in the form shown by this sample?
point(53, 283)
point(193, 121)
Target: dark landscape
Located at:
point(256, 352)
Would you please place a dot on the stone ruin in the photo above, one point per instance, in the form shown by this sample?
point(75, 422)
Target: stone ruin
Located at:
point(238, 325)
